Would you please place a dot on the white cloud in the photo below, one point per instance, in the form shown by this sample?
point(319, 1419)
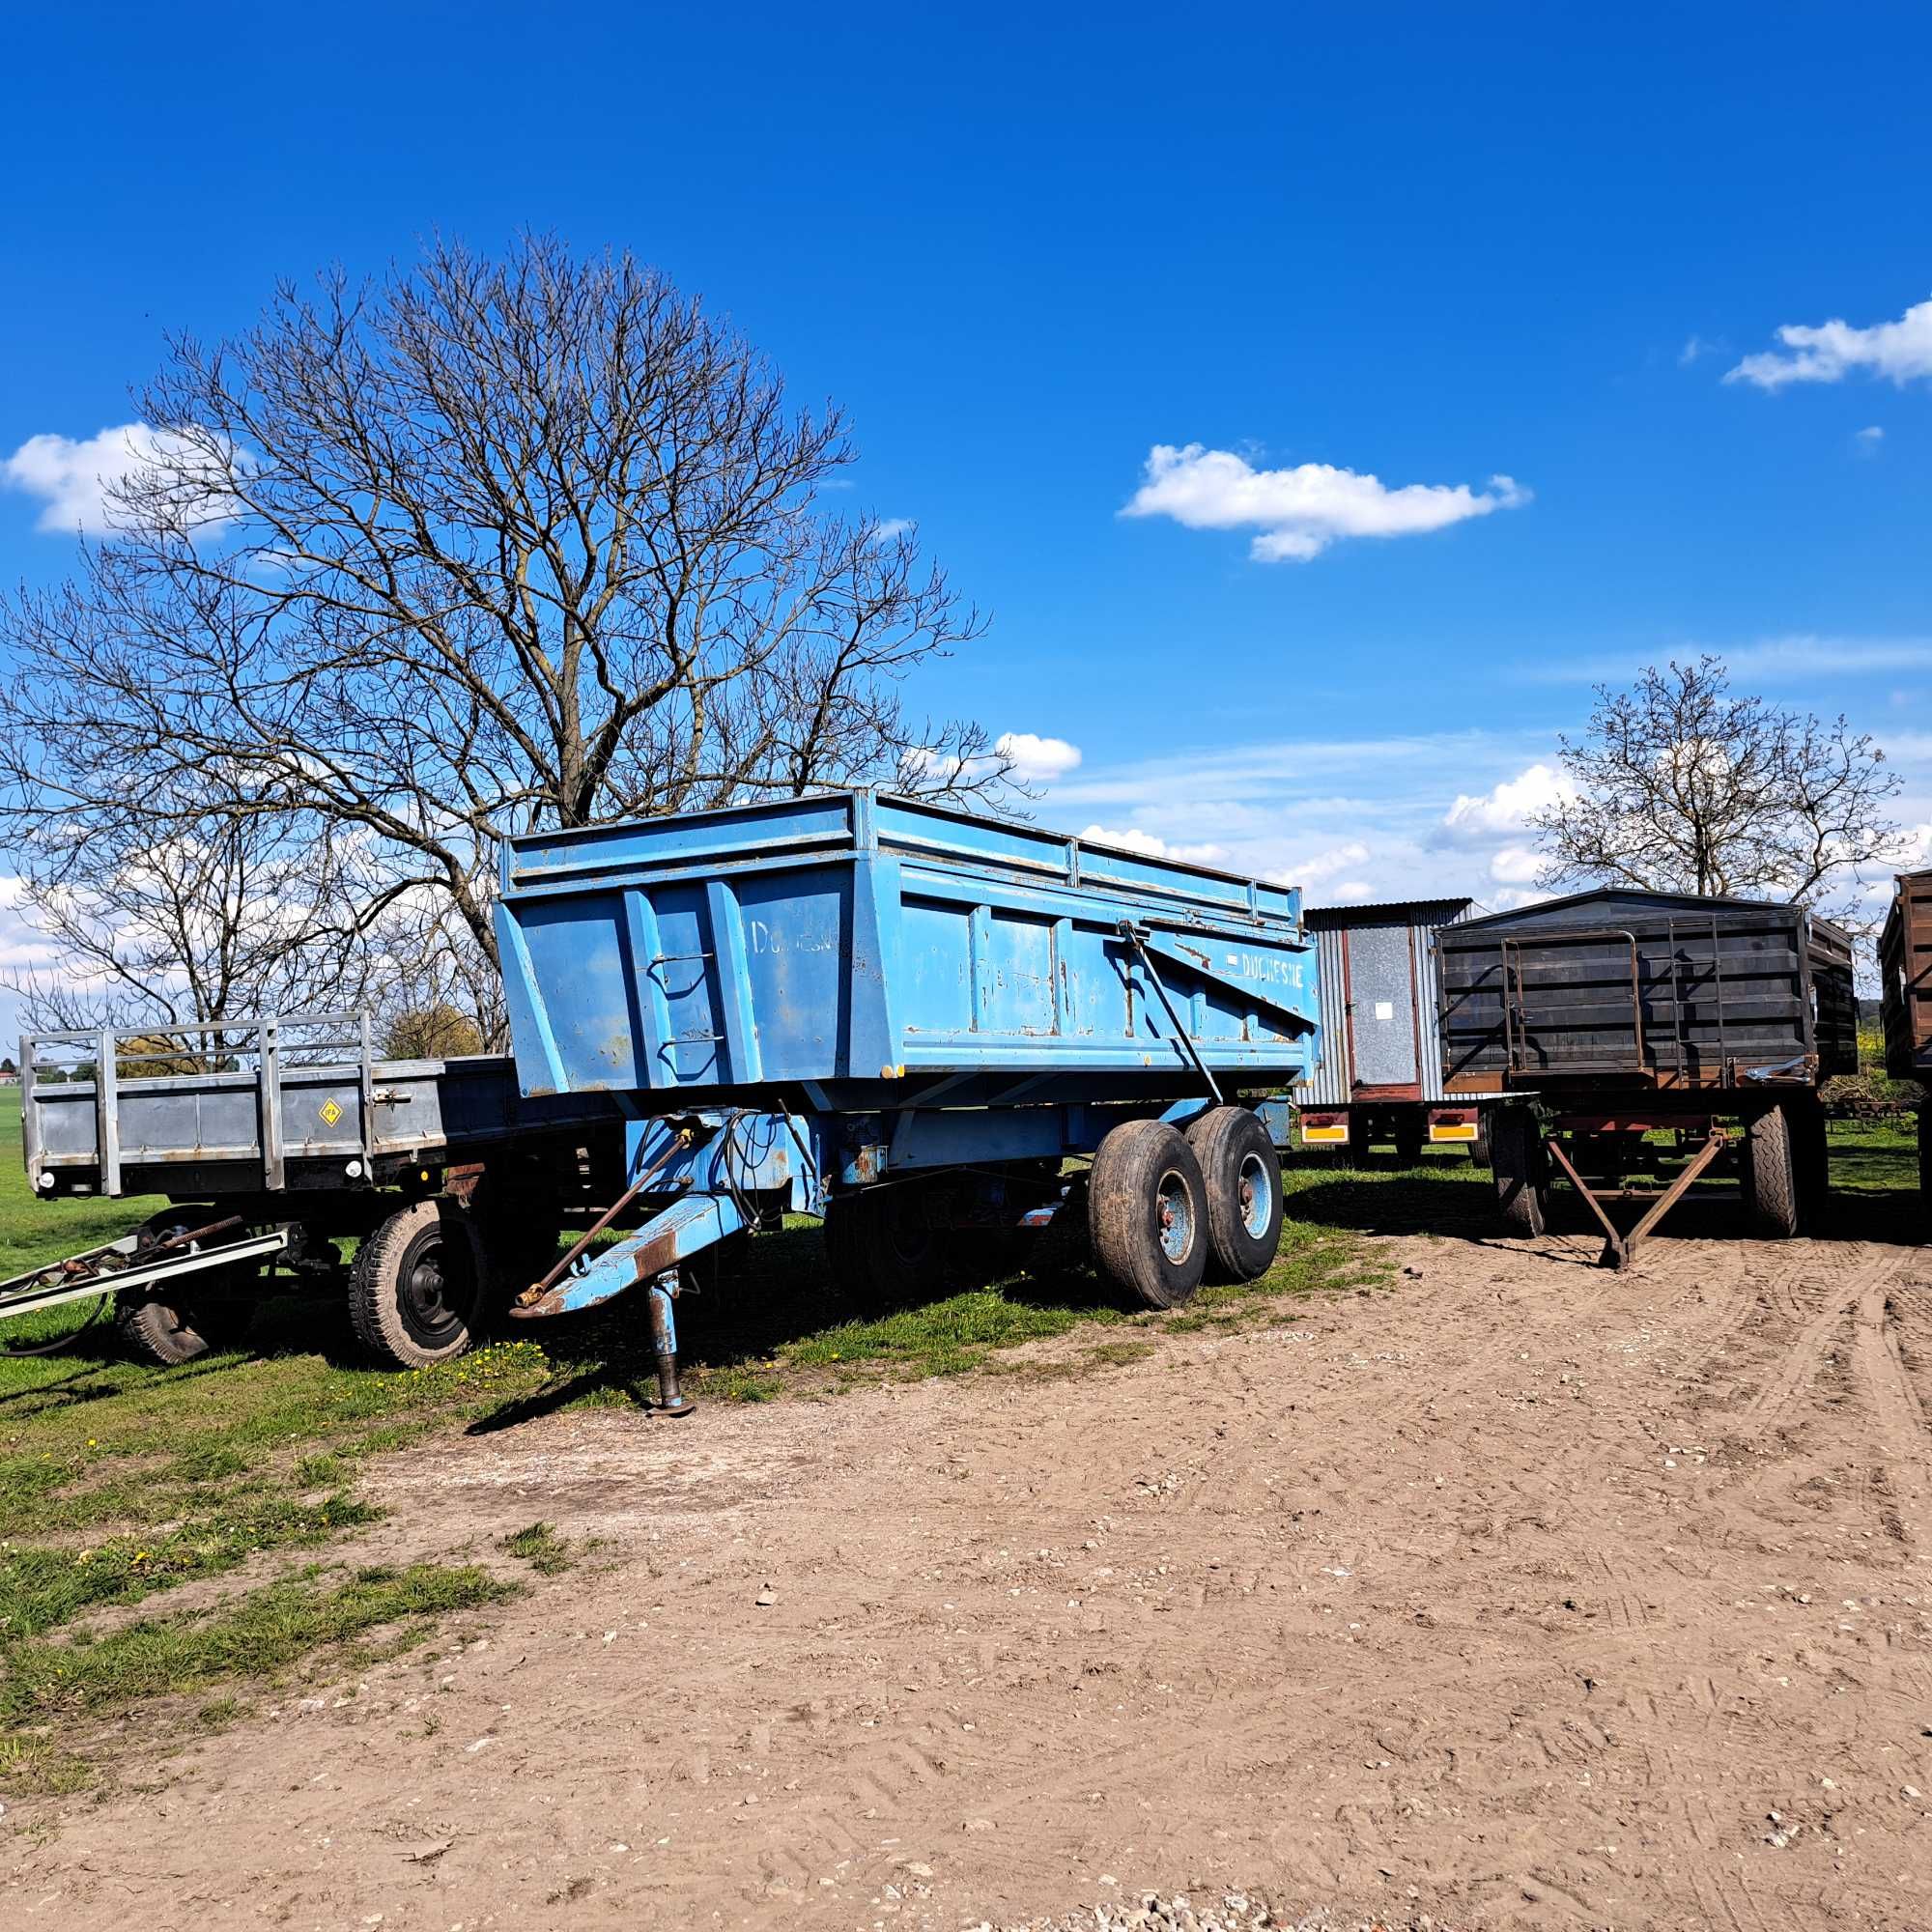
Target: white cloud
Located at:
point(1509, 806)
point(1900, 350)
point(1130, 839)
point(1283, 808)
point(1032, 758)
point(1771, 660)
point(1345, 819)
point(75, 479)
point(892, 526)
point(1514, 866)
point(1508, 899)
point(1321, 866)
point(1036, 760)
point(1694, 347)
point(1873, 432)
point(1134, 838)
point(1299, 512)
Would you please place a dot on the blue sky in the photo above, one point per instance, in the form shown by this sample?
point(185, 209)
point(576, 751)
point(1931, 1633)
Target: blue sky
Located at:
point(1028, 247)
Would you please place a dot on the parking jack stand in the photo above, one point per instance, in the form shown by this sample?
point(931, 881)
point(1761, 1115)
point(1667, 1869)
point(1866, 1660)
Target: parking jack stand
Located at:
point(663, 1339)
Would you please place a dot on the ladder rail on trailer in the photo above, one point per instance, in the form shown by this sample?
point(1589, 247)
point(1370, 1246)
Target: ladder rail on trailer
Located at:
point(125, 1266)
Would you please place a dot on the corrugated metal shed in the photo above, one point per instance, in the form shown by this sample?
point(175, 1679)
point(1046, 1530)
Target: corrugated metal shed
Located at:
point(1378, 960)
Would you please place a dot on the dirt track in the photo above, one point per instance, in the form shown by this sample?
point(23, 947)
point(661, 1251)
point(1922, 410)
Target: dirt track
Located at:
point(1523, 1596)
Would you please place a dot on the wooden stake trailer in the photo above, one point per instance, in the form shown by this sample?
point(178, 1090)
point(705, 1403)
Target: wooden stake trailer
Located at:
point(1905, 998)
point(1612, 1014)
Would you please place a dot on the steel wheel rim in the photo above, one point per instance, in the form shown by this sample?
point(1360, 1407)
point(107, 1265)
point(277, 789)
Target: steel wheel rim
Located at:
point(1256, 1194)
point(424, 1287)
point(1174, 1216)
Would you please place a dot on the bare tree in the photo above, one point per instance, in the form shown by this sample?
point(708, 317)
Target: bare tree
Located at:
point(484, 544)
point(1679, 785)
point(165, 918)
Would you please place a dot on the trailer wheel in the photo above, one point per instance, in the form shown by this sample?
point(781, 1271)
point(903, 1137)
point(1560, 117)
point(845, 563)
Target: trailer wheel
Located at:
point(880, 1251)
point(159, 1332)
point(1147, 1207)
point(1522, 1169)
point(189, 1319)
point(1811, 1156)
point(418, 1289)
point(1770, 1175)
point(1241, 1174)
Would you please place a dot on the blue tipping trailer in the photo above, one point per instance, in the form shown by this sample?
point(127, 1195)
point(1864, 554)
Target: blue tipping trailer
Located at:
point(907, 1019)
point(902, 1018)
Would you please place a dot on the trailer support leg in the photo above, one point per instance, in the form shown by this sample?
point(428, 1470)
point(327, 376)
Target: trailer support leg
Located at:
point(663, 1341)
point(1620, 1248)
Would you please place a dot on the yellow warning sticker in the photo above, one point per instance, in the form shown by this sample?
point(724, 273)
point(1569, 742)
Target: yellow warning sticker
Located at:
point(331, 1113)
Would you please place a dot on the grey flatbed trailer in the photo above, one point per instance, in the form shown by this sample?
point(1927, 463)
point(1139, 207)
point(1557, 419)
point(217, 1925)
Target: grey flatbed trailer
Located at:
point(273, 1138)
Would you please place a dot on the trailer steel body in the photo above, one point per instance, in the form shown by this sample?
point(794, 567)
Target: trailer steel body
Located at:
point(1905, 999)
point(1616, 1013)
point(1379, 1074)
point(905, 1018)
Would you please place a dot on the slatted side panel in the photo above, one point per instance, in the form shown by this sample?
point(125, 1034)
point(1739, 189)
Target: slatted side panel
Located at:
point(1905, 965)
point(1329, 1083)
point(1677, 999)
point(1835, 999)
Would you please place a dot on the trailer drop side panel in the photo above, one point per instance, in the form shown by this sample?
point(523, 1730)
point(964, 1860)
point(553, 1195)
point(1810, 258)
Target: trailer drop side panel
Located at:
point(1905, 968)
point(875, 948)
point(1647, 990)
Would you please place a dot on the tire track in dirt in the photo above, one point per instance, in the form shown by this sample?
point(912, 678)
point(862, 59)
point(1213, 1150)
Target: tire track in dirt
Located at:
point(1405, 1590)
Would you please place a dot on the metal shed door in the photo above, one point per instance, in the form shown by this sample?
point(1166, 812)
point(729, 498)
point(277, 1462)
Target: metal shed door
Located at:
point(1381, 996)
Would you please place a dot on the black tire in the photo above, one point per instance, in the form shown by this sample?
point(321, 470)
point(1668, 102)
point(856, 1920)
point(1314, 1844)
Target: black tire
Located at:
point(1147, 1209)
point(882, 1252)
point(160, 1332)
point(187, 1319)
point(1522, 1169)
point(1479, 1147)
point(1770, 1175)
point(1811, 1155)
point(1241, 1173)
point(420, 1285)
